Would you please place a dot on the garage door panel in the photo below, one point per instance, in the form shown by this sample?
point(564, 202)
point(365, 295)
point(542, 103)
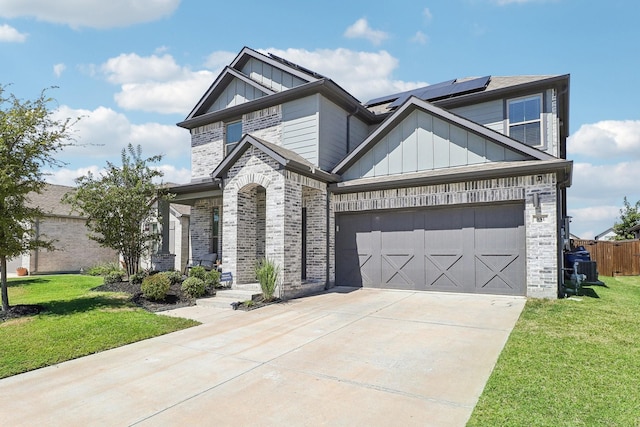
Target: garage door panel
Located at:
point(462, 249)
point(444, 271)
point(498, 272)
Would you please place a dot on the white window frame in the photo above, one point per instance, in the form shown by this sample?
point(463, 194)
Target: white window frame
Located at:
point(538, 120)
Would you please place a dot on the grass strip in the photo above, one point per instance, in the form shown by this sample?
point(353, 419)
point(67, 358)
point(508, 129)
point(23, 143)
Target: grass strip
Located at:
point(77, 322)
point(570, 362)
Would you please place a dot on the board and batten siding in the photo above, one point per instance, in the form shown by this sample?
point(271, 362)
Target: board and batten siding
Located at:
point(236, 93)
point(358, 132)
point(423, 142)
point(333, 134)
point(269, 76)
point(300, 127)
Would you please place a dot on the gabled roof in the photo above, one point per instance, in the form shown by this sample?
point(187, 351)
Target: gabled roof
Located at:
point(234, 71)
point(414, 103)
point(287, 158)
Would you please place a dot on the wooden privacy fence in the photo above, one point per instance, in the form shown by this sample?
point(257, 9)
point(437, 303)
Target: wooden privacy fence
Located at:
point(614, 258)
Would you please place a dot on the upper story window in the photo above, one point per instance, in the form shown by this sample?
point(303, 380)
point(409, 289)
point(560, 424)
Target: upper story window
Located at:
point(232, 135)
point(525, 124)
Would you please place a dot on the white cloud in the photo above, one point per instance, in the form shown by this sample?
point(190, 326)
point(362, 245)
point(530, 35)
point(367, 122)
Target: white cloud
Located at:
point(58, 69)
point(361, 29)
point(596, 195)
point(217, 60)
point(420, 38)
point(174, 175)
point(155, 83)
point(65, 176)
point(364, 74)
point(607, 139)
point(132, 68)
point(10, 34)
point(90, 13)
point(427, 14)
point(101, 134)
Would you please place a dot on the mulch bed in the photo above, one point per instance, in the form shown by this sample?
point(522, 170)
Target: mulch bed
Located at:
point(175, 297)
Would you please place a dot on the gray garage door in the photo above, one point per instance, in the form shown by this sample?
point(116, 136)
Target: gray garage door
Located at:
point(471, 249)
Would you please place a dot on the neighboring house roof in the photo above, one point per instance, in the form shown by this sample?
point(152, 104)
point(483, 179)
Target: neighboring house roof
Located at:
point(285, 157)
point(605, 233)
point(414, 103)
point(50, 200)
point(180, 210)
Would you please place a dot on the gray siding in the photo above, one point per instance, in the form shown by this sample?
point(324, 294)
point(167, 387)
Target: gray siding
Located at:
point(489, 114)
point(238, 92)
point(358, 132)
point(333, 134)
point(300, 127)
point(424, 142)
point(492, 115)
point(269, 76)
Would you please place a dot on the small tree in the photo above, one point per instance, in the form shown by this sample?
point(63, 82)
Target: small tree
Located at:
point(29, 139)
point(117, 204)
point(629, 217)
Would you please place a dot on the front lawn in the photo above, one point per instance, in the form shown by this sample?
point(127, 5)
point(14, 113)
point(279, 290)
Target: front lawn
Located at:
point(570, 362)
point(76, 322)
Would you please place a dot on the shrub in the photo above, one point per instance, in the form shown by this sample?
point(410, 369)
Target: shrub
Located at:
point(137, 278)
point(104, 269)
point(173, 276)
point(267, 274)
point(193, 287)
point(212, 279)
point(199, 272)
point(156, 287)
point(113, 277)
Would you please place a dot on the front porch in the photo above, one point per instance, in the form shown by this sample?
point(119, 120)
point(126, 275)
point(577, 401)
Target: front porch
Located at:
point(258, 207)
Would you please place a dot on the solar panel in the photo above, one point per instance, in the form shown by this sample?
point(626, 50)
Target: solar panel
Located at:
point(402, 97)
point(405, 95)
point(445, 89)
point(472, 85)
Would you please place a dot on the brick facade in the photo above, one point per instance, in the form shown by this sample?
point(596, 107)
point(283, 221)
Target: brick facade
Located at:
point(74, 249)
point(262, 213)
point(541, 223)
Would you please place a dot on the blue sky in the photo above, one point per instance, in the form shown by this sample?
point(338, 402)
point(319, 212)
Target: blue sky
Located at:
point(133, 68)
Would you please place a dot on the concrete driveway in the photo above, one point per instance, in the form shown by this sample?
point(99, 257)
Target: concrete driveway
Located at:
point(344, 358)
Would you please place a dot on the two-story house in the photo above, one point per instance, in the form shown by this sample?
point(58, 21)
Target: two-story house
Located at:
point(457, 186)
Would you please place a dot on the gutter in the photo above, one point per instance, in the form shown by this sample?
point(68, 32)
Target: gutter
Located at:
point(447, 176)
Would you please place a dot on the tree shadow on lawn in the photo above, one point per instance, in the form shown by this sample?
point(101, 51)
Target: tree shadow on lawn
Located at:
point(83, 304)
point(19, 282)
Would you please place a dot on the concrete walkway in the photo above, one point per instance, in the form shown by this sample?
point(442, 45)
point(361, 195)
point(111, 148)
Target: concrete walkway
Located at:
point(344, 358)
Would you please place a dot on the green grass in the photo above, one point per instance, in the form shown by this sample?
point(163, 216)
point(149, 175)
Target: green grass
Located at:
point(77, 322)
point(571, 362)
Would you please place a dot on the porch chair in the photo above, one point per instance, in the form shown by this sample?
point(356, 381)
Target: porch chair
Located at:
point(207, 261)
